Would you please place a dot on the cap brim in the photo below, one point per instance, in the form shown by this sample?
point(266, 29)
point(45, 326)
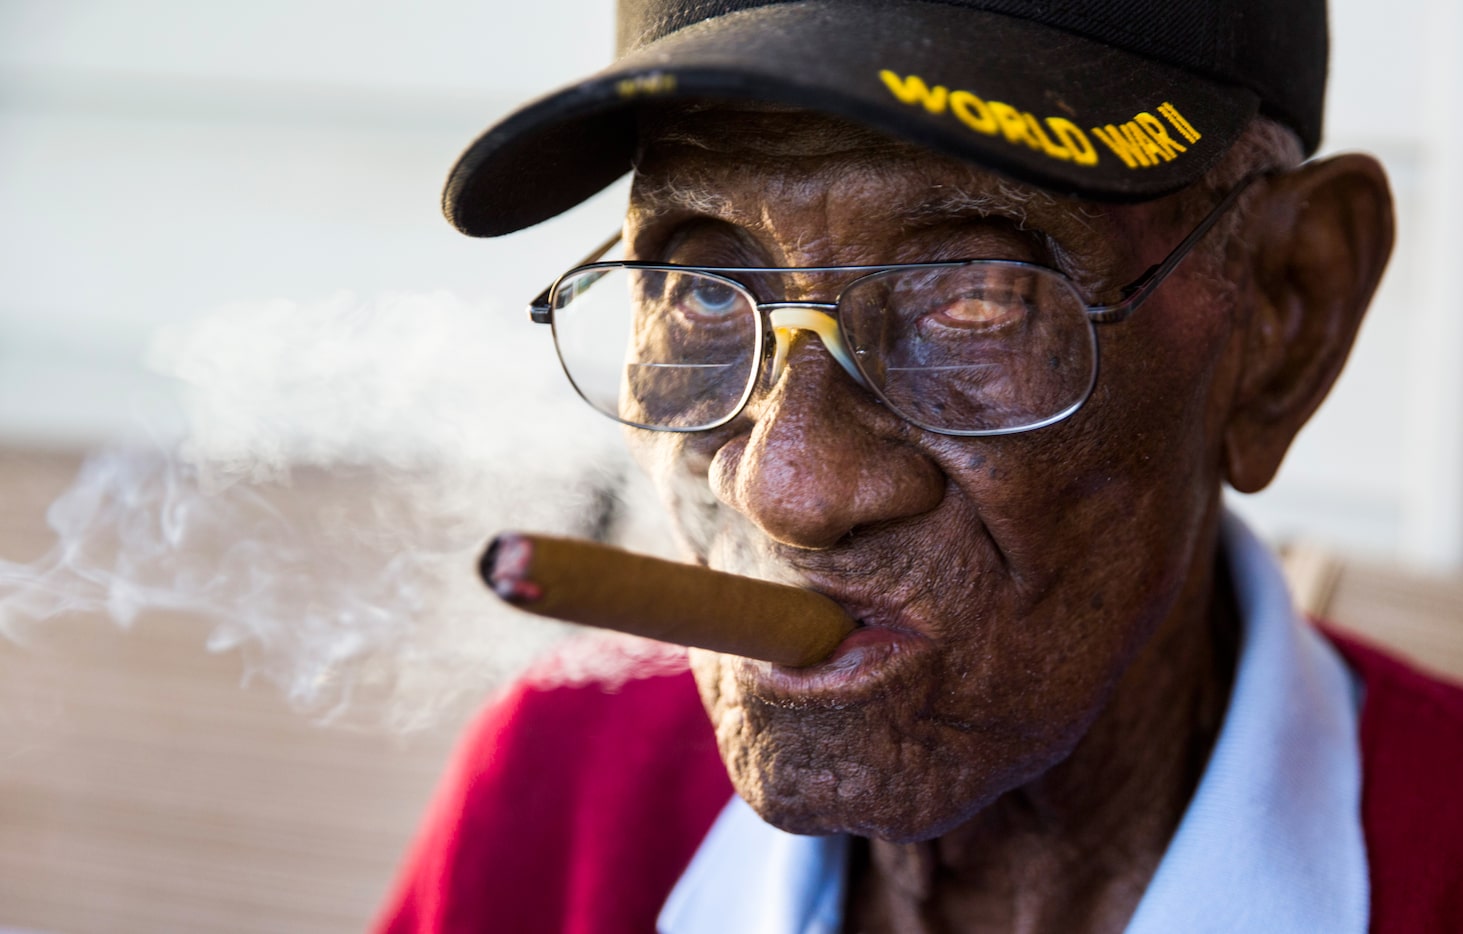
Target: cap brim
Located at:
point(1048, 107)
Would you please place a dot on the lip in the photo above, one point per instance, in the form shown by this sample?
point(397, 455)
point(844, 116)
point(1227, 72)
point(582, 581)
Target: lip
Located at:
point(861, 667)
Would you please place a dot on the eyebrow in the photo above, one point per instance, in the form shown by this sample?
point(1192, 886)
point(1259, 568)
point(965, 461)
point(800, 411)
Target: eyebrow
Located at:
point(1049, 222)
point(950, 203)
point(1052, 221)
point(657, 196)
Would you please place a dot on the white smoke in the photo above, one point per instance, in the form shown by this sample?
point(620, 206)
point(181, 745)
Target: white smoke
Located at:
point(342, 464)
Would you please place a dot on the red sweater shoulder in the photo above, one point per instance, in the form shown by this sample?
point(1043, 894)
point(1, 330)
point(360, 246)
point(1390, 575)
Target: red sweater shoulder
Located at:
point(570, 809)
point(1412, 792)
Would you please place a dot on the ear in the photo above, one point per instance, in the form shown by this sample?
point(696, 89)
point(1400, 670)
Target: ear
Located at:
point(1317, 247)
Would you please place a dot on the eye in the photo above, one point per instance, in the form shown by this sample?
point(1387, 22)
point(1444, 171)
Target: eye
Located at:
point(983, 309)
point(708, 298)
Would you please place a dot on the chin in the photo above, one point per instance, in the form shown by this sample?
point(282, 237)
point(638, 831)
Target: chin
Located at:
point(907, 811)
point(810, 770)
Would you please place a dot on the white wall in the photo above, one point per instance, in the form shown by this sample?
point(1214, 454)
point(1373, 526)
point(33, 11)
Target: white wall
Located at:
point(160, 158)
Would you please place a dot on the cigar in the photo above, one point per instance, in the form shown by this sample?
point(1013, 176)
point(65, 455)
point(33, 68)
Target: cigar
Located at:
point(596, 585)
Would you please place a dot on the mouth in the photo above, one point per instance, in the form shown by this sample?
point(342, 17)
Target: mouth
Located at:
point(881, 651)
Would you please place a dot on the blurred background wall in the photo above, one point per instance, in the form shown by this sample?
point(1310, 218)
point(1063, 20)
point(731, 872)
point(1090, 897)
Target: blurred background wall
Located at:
point(160, 159)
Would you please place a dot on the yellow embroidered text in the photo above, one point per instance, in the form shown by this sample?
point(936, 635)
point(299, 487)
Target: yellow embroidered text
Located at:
point(654, 82)
point(1145, 141)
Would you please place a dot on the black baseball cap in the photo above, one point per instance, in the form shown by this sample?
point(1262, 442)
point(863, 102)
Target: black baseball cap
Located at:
point(1118, 100)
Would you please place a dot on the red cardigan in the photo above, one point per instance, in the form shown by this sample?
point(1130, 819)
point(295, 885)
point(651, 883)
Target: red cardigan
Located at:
point(574, 810)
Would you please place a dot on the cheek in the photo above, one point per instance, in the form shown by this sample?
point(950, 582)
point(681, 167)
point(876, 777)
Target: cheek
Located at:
point(1167, 370)
point(1103, 511)
point(1144, 455)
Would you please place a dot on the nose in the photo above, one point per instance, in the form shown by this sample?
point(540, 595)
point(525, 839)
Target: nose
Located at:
point(822, 458)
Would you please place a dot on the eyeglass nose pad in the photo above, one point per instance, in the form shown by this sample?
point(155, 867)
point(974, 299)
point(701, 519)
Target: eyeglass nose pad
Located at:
point(788, 319)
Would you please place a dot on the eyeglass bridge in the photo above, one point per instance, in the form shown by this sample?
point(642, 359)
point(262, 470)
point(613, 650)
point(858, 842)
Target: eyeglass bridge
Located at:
point(787, 318)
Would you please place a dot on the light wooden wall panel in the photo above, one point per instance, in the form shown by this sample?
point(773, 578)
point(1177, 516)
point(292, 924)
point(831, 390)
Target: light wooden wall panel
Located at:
point(144, 789)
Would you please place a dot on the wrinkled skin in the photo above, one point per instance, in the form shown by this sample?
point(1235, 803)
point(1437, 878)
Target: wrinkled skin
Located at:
point(1049, 641)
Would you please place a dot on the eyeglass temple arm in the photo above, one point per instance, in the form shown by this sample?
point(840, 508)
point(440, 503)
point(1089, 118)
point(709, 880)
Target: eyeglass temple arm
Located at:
point(538, 309)
point(1146, 284)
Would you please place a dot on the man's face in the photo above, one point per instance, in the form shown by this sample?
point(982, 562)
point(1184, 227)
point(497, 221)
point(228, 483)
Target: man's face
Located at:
point(1008, 583)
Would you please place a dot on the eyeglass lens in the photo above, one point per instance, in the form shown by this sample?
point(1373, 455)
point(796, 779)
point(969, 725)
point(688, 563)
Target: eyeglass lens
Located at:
point(979, 347)
point(658, 348)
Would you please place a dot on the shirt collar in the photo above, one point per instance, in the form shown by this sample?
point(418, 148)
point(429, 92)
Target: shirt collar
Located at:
point(1272, 840)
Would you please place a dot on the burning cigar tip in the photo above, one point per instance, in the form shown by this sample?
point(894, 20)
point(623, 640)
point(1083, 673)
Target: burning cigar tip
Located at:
point(505, 567)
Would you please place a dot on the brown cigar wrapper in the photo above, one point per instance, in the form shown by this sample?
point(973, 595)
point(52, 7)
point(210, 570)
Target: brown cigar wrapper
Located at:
point(595, 585)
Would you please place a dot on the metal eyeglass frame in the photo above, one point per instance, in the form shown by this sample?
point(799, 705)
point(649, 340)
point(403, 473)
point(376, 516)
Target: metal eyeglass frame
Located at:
point(821, 317)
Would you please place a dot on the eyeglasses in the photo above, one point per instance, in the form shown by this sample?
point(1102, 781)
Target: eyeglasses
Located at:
point(974, 347)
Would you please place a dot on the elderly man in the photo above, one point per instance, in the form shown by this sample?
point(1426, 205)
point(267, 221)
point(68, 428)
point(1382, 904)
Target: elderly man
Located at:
point(960, 313)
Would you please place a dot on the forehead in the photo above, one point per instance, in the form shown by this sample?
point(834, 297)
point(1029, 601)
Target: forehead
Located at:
point(726, 160)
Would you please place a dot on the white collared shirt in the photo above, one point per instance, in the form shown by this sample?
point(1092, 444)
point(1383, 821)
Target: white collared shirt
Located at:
point(1271, 842)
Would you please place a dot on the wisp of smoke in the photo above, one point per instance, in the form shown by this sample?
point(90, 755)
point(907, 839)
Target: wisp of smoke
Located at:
point(322, 514)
